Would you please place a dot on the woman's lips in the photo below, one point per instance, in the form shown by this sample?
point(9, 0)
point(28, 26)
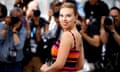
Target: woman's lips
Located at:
point(65, 23)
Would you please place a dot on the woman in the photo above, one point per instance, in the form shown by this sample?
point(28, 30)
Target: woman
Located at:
point(68, 54)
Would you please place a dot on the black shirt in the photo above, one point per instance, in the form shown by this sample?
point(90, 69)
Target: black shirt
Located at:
point(95, 12)
point(112, 46)
point(92, 54)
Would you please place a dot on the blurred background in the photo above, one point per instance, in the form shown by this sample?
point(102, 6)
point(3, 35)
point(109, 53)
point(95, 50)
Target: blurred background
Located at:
point(44, 4)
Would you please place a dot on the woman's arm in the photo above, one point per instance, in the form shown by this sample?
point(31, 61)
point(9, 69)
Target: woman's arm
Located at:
point(64, 49)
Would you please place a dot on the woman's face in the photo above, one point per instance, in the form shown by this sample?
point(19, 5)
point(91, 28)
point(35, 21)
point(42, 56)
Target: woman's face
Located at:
point(67, 18)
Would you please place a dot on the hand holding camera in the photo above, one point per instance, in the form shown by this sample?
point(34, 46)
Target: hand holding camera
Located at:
point(109, 24)
point(12, 20)
point(36, 17)
point(84, 27)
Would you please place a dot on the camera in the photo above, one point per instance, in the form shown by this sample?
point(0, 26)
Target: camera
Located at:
point(12, 55)
point(108, 20)
point(56, 13)
point(36, 12)
point(11, 20)
point(14, 20)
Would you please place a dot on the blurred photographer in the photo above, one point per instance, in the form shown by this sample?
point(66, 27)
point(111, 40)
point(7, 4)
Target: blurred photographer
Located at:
point(54, 7)
point(3, 14)
point(110, 36)
point(12, 43)
point(32, 49)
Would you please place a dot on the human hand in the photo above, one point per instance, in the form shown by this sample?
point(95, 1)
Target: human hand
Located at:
point(44, 68)
point(29, 13)
point(16, 26)
point(87, 21)
point(84, 27)
point(110, 27)
point(102, 20)
point(3, 32)
point(50, 13)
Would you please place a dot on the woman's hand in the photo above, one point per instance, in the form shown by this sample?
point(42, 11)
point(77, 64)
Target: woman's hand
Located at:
point(44, 68)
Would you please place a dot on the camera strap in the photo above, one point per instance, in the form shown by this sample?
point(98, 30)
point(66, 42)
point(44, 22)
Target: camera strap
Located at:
point(33, 32)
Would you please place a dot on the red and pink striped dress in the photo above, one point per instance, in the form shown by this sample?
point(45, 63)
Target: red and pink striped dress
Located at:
point(70, 65)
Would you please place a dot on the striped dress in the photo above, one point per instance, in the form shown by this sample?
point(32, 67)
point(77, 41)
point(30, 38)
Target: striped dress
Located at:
point(70, 65)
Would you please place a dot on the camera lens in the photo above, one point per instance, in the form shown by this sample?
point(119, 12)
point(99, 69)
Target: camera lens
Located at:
point(36, 12)
point(108, 20)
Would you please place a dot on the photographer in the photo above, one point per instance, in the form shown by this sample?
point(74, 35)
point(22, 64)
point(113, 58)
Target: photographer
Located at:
point(11, 53)
point(54, 7)
point(32, 49)
point(110, 36)
point(3, 14)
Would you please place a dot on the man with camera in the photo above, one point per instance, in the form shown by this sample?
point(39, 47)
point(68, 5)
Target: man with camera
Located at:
point(3, 14)
point(95, 10)
point(12, 42)
point(33, 48)
point(110, 36)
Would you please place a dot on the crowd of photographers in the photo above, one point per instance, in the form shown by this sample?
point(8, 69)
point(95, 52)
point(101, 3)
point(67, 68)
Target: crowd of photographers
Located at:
point(26, 37)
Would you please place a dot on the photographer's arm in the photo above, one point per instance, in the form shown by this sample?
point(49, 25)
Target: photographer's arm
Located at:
point(15, 35)
point(38, 34)
point(46, 27)
point(103, 35)
point(116, 36)
point(15, 38)
point(19, 37)
point(50, 14)
point(94, 41)
point(3, 31)
point(27, 26)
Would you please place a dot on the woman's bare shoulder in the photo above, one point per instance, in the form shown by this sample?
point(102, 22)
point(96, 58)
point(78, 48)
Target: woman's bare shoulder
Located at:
point(66, 37)
point(66, 34)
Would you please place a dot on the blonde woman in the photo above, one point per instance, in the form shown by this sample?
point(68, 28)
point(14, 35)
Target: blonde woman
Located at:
point(68, 53)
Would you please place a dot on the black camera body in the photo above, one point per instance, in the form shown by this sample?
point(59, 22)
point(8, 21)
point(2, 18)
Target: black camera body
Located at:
point(36, 12)
point(14, 20)
point(56, 13)
point(108, 21)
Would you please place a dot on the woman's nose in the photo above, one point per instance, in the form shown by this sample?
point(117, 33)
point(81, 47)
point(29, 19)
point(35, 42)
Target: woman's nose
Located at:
point(64, 18)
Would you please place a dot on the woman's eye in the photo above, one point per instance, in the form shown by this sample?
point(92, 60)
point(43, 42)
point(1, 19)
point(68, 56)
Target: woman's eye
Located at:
point(68, 15)
point(61, 15)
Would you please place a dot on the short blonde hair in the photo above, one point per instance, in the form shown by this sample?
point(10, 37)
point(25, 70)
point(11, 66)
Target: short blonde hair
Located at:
point(69, 5)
